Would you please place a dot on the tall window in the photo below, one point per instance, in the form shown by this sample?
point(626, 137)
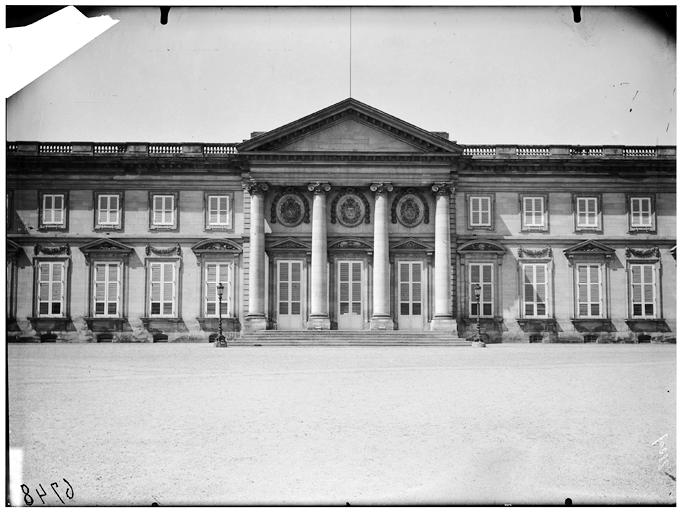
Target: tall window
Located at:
point(162, 289)
point(53, 211)
point(643, 293)
point(107, 289)
point(218, 211)
point(109, 210)
point(640, 212)
point(589, 291)
point(479, 211)
point(587, 213)
point(163, 211)
point(535, 290)
point(51, 288)
point(534, 214)
point(481, 274)
point(216, 273)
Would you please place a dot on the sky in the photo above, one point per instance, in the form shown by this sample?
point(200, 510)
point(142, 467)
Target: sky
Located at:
point(485, 75)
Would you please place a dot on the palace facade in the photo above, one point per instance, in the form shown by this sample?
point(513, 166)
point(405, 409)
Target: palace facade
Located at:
point(348, 219)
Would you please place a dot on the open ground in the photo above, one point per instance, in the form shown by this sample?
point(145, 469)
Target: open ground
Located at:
point(133, 424)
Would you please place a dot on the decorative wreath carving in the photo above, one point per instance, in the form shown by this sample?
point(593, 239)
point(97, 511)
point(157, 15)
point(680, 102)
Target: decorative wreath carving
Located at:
point(409, 208)
point(350, 207)
point(53, 251)
point(290, 207)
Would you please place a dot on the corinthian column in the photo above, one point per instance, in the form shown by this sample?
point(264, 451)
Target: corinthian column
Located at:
point(319, 297)
point(442, 311)
point(255, 320)
point(381, 319)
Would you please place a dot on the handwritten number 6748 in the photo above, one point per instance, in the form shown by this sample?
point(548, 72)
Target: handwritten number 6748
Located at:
point(28, 499)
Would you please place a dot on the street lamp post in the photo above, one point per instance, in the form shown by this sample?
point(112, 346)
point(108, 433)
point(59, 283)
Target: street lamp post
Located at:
point(221, 339)
point(477, 341)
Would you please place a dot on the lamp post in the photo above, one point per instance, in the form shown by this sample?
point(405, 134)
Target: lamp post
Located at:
point(476, 340)
point(221, 339)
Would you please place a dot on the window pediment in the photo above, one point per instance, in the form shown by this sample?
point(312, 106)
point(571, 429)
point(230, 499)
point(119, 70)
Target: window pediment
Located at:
point(589, 248)
point(106, 247)
point(221, 246)
point(479, 246)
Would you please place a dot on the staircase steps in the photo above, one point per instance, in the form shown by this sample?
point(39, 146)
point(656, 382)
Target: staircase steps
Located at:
point(349, 338)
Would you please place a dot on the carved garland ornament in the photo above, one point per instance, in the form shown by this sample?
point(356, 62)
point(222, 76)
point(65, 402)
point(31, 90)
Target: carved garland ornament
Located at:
point(290, 208)
point(157, 251)
point(52, 251)
point(409, 208)
point(652, 252)
point(535, 253)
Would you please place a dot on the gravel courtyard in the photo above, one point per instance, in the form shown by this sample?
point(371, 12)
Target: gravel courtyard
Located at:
point(194, 424)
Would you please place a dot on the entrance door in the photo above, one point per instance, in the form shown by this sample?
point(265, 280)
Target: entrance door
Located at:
point(410, 306)
point(289, 309)
point(350, 280)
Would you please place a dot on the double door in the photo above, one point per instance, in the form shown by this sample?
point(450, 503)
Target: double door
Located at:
point(290, 294)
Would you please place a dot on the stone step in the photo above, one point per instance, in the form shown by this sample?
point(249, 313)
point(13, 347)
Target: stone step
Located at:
point(348, 338)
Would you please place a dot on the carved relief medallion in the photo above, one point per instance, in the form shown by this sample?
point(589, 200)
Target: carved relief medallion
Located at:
point(290, 210)
point(350, 210)
point(410, 210)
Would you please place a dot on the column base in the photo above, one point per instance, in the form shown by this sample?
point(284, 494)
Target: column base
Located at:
point(443, 323)
point(254, 323)
point(381, 323)
point(319, 323)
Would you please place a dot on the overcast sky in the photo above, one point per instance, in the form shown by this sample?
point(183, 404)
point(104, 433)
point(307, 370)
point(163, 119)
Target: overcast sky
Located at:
point(485, 75)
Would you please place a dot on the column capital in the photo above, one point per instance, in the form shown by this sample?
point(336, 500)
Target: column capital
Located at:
point(318, 188)
point(255, 187)
point(442, 188)
point(381, 188)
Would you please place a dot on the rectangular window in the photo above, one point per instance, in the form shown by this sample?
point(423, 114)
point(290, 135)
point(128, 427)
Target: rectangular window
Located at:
point(533, 212)
point(640, 212)
point(162, 289)
point(481, 275)
point(108, 210)
point(163, 210)
point(643, 291)
point(52, 288)
point(53, 210)
point(589, 291)
point(107, 290)
point(535, 290)
point(480, 211)
point(216, 273)
point(219, 212)
point(587, 212)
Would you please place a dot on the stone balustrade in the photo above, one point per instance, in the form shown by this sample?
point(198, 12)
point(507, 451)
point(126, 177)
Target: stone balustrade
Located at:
point(485, 151)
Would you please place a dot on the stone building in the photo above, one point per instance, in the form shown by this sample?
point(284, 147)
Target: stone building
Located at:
point(348, 219)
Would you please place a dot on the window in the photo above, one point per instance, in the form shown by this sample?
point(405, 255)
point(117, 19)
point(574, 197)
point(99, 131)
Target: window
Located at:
point(481, 274)
point(535, 290)
point(480, 213)
point(51, 293)
point(216, 273)
point(534, 215)
point(109, 213)
point(163, 213)
point(587, 213)
point(589, 291)
point(641, 213)
point(107, 289)
point(163, 289)
point(53, 211)
point(643, 292)
point(218, 211)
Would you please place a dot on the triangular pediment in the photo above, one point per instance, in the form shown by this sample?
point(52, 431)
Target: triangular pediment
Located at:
point(588, 247)
point(411, 244)
point(105, 245)
point(290, 243)
point(12, 247)
point(349, 126)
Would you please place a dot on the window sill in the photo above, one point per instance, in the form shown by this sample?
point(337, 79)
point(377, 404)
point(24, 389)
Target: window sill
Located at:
point(635, 231)
point(210, 324)
point(164, 324)
point(537, 324)
point(107, 324)
point(593, 325)
point(52, 228)
point(51, 323)
point(647, 325)
point(107, 228)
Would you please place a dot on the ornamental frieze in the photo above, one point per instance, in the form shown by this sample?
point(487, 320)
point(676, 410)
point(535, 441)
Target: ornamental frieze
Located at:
point(409, 208)
point(290, 208)
point(545, 252)
point(350, 208)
